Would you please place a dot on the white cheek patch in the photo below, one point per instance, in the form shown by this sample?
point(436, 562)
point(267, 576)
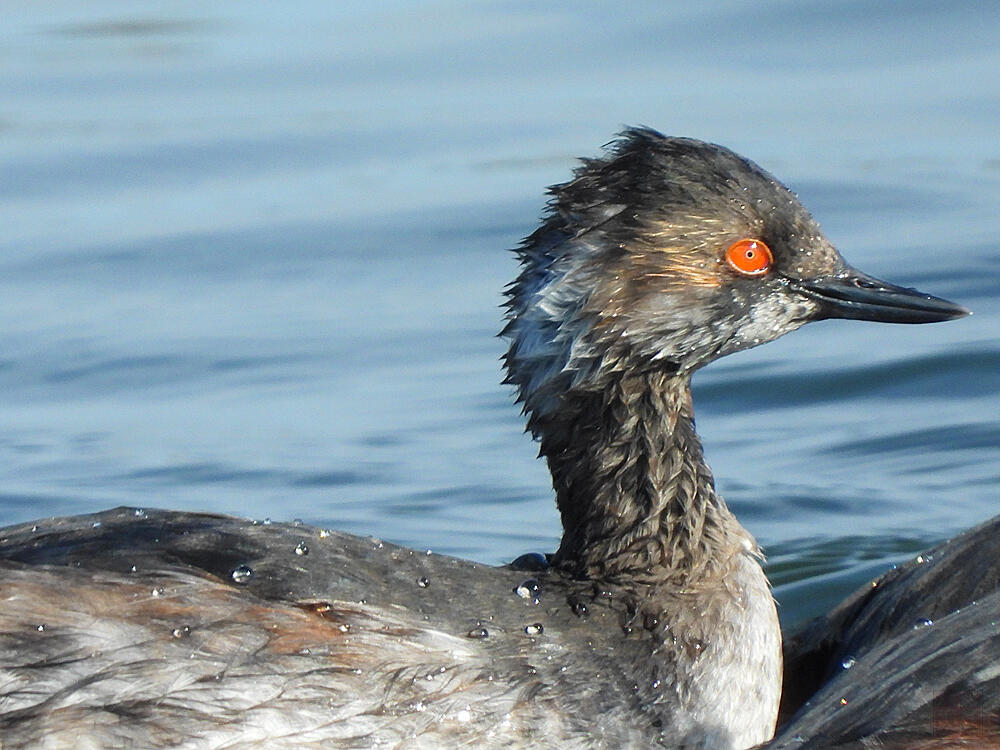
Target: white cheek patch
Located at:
point(772, 316)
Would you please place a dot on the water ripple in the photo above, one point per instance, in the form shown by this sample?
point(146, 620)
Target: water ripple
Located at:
point(934, 440)
point(918, 376)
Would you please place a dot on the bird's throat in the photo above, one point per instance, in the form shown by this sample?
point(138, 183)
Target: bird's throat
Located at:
point(637, 499)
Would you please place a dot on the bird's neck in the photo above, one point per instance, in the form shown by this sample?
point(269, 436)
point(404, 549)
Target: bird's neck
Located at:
point(637, 499)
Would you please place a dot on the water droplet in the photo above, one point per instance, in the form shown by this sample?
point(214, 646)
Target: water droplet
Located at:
point(138, 512)
point(923, 623)
point(695, 647)
point(157, 591)
point(301, 549)
point(324, 533)
point(843, 701)
point(536, 628)
point(40, 628)
point(920, 559)
point(463, 715)
point(95, 525)
point(267, 522)
point(133, 569)
point(242, 574)
point(423, 582)
point(656, 684)
point(528, 589)
point(34, 529)
point(479, 632)
point(181, 632)
point(579, 608)
point(429, 552)
point(847, 663)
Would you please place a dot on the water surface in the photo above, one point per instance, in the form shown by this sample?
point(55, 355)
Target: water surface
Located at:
point(251, 260)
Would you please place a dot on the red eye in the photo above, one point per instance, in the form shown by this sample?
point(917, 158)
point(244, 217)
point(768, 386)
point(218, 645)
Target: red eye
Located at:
point(749, 257)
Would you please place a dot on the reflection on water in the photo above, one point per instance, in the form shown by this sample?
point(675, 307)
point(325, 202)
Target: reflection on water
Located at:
point(252, 258)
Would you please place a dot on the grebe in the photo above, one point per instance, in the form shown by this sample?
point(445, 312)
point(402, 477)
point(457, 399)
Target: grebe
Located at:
point(651, 625)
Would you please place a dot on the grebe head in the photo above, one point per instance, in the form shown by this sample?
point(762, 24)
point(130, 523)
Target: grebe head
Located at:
point(667, 253)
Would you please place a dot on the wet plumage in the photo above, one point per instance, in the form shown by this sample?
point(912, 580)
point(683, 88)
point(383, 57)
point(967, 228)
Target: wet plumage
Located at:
point(651, 625)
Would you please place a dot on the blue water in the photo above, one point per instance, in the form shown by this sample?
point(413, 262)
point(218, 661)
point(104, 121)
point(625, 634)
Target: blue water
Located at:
point(251, 257)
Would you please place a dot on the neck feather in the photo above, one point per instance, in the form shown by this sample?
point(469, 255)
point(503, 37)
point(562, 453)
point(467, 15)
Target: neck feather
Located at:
point(638, 502)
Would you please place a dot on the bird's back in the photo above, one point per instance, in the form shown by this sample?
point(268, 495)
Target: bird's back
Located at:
point(155, 629)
